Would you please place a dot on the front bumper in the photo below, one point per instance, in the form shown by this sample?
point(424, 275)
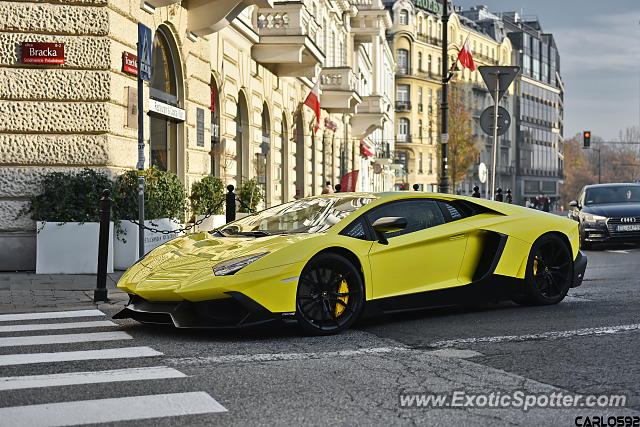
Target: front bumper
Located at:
point(579, 267)
point(607, 233)
point(238, 311)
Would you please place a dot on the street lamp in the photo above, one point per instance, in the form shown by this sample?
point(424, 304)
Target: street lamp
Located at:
point(443, 185)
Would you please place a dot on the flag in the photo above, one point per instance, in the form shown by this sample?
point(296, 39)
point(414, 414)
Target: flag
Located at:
point(212, 107)
point(348, 182)
point(465, 57)
point(313, 102)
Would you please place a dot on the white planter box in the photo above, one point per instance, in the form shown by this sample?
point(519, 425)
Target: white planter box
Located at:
point(126, 246)
point(70, 248)
point(213, 222)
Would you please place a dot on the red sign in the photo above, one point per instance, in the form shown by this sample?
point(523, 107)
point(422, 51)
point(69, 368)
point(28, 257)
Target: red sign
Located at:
point(129, 63)
point(349, 181)
point(42, 53)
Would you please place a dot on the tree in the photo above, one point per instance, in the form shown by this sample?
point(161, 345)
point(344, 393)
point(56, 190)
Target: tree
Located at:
point(462, 148)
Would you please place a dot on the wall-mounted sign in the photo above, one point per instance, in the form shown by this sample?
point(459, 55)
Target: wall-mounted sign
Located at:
point(156, 106)
point(432, 6)
point(200, 127)
point(129, 63)
point(42, 53)
point(132, 107)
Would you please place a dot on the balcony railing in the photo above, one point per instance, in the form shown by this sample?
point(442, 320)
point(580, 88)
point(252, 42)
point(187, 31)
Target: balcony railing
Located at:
point(403, 105)
point(337, 78)
point(339, 89)
point(430, 39)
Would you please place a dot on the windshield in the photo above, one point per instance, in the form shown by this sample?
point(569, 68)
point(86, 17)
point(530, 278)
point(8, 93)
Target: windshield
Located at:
point(617, 194)
point(314, 215)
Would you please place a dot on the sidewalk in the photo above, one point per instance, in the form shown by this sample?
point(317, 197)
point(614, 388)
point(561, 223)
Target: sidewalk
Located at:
point(27, 291)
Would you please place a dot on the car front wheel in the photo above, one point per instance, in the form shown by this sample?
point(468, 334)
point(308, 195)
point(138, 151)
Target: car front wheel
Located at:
point(330, 295)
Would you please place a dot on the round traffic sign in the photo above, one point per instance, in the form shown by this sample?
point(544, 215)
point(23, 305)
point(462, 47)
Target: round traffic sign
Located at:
point(482, 173)
point(486, 120)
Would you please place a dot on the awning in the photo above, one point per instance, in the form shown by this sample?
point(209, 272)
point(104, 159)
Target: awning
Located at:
point(366, 149)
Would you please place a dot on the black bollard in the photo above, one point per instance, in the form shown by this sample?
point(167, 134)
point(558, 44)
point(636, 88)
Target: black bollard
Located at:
point(100, 293)
point(230, 208)
point(415, 187)
point(499, 196)
point(509, 198)
point(476, 191)
point(338, 187)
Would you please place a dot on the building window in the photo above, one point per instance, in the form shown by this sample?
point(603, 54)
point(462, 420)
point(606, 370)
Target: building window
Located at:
point(420, 169)
point(403, 96)
point(429, 67)
point(430, 163)
point(403, 130)
point(403, 61)
point(420, 129)
point(420, 99)
point(404, 17)
point(215, 153)
point(164, 87)
point(419, 61)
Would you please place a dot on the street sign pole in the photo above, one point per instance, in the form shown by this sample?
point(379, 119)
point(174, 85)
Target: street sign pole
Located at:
point(140, 164)
point(144, 73)
point(495, 139)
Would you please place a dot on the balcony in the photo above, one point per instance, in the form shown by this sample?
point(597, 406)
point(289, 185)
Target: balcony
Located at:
point(338, 85)
point(370, 21)
point(429, 39)
point(403, 106)
point(208, 16)
point(370, 115)
point(384, 155)
point(286, 45)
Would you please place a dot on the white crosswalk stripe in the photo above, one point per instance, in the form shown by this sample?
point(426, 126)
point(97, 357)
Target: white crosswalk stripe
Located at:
point(56, 326)
point(75, 378)
point(69, 356)
point(50, 315)
point(64, 413)
point(110, 410)
point(64, 338)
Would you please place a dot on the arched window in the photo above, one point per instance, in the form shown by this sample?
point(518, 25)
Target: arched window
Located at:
point(403, 130)
point(284, 158)
point(215, 153)
point(263, 157)
point(404, 17)
point(242, 139)
point(164, 88)
point(403, 61)
point(429, 29)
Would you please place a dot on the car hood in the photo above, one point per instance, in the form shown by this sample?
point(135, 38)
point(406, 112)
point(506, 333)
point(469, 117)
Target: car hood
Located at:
point(203, 250)
point(614, 210)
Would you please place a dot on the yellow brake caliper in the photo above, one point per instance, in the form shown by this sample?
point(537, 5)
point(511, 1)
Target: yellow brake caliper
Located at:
point(342, 289)
point(535, 266)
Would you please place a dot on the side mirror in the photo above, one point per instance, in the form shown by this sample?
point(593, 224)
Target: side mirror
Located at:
point(574, 204)
point(388, 224)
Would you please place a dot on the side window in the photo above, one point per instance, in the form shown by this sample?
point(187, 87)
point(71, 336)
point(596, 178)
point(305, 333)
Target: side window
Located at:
point(420, 214)
point(356, 230)
point(455, 209)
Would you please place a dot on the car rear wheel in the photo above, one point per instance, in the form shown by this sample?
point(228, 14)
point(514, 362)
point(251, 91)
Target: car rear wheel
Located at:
point(549, 271)
point(330, 295)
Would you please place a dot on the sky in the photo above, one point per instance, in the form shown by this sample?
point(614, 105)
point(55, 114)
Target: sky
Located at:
point(599, 46)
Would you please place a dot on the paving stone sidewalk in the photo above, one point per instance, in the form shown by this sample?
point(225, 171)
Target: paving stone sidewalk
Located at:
point(27, 291)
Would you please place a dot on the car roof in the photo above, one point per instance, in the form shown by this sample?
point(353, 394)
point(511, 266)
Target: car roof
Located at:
point(613, 184)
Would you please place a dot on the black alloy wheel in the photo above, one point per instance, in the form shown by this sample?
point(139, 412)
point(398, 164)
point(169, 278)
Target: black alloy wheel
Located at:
point(549, 271)
point(330, 295)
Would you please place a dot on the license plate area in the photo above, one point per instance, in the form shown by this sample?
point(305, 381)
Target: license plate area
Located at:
point(628, 227)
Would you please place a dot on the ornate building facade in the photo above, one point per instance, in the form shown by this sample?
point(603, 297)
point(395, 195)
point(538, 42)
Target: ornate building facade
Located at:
point(225, 98)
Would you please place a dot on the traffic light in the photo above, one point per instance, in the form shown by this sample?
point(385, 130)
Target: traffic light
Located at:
point(586, 139)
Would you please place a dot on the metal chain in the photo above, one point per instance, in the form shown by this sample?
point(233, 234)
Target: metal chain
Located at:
point(183, 229)
point(244, 205)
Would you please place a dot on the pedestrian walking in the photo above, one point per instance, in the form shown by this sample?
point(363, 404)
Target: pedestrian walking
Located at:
point(328, 189)
point(476, 191)
point(545, 203)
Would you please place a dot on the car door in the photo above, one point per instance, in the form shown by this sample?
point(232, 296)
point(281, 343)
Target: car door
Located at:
point(425, 256)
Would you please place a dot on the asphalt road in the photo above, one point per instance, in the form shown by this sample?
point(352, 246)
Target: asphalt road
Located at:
point(588, 345)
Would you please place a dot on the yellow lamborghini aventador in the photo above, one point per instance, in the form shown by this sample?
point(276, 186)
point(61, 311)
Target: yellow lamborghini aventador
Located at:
point(323, 261)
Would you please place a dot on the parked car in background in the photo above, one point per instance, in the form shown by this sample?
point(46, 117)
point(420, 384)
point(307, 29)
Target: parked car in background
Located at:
point(607, 213)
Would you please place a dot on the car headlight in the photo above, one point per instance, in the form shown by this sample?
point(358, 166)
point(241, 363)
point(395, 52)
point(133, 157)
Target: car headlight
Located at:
point(593, 218)
point(231, 266)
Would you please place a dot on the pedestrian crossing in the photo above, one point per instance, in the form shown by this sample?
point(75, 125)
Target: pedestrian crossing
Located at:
point(91, 411)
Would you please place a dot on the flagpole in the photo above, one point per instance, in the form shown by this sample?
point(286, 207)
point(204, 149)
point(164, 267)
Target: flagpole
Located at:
point(443, 184)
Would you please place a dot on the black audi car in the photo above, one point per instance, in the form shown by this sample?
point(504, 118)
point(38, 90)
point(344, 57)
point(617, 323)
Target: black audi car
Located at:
point(607, 213)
